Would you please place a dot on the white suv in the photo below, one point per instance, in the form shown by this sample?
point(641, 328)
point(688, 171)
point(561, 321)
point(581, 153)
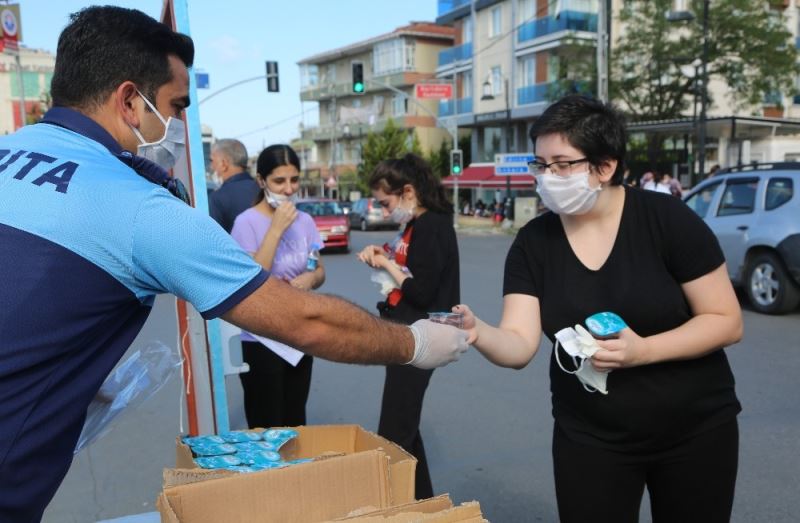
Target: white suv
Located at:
point(755, 213)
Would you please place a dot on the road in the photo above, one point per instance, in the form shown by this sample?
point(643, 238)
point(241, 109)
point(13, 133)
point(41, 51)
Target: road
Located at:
point(487, 430)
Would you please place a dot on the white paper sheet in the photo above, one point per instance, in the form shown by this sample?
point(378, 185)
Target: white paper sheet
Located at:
point(290, 354)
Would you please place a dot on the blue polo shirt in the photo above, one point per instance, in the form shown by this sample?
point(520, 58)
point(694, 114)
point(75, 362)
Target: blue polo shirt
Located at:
point(86, 243)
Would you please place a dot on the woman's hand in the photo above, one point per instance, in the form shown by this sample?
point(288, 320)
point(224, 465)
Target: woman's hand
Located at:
point(304, 281)
point(629, 350)
point(373, 256)
point(470, 321)
point(283, 217)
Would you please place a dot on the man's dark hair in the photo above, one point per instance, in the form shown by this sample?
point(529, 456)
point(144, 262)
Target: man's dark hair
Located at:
point(105, 46)
point(594, 128)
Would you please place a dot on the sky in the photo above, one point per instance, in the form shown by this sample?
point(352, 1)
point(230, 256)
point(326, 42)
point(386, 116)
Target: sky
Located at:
point(233, 39)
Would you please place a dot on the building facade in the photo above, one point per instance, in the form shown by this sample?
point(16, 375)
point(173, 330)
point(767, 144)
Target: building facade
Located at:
point(392, 64)
point(37, 72)
point(508, 61)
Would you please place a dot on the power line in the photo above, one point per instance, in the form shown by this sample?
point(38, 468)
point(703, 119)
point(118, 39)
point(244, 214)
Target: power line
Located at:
point(260, 129)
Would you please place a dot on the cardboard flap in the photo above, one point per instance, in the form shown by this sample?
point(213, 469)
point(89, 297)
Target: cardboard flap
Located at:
point(176, 477)
point(469, 512)
point(308, 492)
point(416, 508)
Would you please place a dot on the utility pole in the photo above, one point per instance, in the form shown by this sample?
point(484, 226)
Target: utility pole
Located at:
point(603, 39)
point(332, 163)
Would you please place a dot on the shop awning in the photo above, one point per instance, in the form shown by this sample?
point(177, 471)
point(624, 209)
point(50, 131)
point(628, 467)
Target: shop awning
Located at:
point(481, 175)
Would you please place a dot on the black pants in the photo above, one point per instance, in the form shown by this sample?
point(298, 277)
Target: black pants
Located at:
point(692, 482)
point(275, 393)
point(403, 393)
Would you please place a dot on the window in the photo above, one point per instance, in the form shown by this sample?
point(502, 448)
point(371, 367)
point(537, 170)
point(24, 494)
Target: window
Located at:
point(779, 191)
point(399, 105)
point(495, 21)
point(309, 76)
point(527, 10)
point(466, 84)
point(496, 76)
point(739, 197)
point(553, 68)
point(527, 71)
point(393, 56)
point(701, 200)
point(466, 30)
point(492, 137)
point(328, 75)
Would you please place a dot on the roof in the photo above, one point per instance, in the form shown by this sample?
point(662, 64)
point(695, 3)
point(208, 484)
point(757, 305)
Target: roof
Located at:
point(481, 175)
point(735, 127)
point(416, 29)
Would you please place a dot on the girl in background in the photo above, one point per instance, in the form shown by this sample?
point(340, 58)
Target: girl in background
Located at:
point(280, 238)
point(426, 270)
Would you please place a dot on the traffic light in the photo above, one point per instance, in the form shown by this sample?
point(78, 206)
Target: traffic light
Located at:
point(272, 77)
point(358, 77)
point(456, 162)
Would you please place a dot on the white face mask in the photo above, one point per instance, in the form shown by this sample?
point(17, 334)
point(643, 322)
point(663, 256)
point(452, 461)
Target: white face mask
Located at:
point(274, 199)
point(169, 149)
point(580, 345)
point(567, 194)
point(400, 214)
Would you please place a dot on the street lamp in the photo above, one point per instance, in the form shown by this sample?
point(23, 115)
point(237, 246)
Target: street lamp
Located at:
point(489, 95)
point(680, 13)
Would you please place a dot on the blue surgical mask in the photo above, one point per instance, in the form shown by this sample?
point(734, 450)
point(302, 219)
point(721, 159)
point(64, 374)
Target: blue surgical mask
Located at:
point(169, 149)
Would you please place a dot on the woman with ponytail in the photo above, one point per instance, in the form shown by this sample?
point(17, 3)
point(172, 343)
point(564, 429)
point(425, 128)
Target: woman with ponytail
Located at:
point(424, 264)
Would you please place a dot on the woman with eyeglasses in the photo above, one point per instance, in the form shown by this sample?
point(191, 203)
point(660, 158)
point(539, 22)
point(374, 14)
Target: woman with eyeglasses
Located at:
point(280, 238)
point(655, 406)
point(423, 261)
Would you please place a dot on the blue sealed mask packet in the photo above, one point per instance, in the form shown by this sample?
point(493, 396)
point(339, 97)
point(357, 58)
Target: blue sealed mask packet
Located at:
point(254, 446)
point(213, 449)
point(217, 462)
point(605, 325)
point(240, 436)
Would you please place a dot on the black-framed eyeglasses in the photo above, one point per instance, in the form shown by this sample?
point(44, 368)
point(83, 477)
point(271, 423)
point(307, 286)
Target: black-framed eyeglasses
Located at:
point(561, 167)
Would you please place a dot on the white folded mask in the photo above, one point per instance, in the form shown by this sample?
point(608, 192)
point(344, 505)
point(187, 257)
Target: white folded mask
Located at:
point(580, 345)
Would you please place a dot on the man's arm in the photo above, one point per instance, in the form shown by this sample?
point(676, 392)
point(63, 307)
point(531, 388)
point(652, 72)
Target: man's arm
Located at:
point(322, 325)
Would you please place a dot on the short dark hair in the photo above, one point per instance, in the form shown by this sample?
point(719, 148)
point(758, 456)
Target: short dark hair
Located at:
point(392, 175)
point(273, 157)
point(104, 46)
point(591, 126)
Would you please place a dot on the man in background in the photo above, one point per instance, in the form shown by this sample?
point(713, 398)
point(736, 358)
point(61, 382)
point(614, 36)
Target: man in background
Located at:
point(238, 190)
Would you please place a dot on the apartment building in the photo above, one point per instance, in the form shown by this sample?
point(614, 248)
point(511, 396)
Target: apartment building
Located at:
point(392, 64)
point(37, 71)
point(506, 62)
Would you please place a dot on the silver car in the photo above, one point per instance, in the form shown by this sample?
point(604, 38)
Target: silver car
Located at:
point(367, 214)
point(755, 213)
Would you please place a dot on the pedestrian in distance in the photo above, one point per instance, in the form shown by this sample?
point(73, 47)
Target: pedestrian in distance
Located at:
point(656, 406)
point(281, 239)
point(661, 182)
point(424, 264)
point(238, 190)
point(91, 232)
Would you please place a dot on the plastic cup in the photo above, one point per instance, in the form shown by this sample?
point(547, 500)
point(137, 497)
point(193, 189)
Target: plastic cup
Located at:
point(456, 319)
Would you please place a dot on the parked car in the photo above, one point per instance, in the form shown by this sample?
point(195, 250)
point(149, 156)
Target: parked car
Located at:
point(755, 213)
point(367, 214)
point(330, 220)
point(346, 205)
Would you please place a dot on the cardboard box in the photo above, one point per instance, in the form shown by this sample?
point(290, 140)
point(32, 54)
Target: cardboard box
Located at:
point(321, 440)
point(304, 493)
point(434, 510)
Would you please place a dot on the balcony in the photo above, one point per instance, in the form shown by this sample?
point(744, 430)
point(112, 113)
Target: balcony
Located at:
point(567, 21)
point(445, 6)
point(323, 91)
point(455, 54)
point(461, 106)
point(547, 92)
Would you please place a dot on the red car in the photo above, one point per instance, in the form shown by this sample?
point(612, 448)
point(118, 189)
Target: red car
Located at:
point(331, 221)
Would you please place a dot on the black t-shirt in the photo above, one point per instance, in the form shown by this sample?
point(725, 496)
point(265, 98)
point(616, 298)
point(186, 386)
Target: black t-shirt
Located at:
point(660, 244)
point(432, 259)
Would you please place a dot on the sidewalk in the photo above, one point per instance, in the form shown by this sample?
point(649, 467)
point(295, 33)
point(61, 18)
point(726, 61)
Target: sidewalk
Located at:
point(476, 226)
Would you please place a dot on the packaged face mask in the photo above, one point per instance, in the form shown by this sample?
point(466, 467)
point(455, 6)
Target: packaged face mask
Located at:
point(240, 436)
point(217, 462)
point(254, 446)
point(213, 449)
point(258, 458)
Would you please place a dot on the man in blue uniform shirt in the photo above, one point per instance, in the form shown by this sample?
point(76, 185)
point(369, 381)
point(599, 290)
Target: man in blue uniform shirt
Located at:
point(90, 232)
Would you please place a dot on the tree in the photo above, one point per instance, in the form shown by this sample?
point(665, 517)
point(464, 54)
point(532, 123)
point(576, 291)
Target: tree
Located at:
point(749, 48)
point(391, 142)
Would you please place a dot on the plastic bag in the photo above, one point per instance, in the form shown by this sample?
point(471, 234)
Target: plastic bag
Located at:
point(131, 383)
point(385, 280)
